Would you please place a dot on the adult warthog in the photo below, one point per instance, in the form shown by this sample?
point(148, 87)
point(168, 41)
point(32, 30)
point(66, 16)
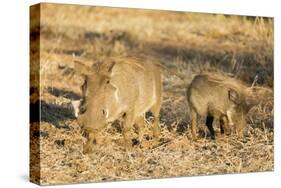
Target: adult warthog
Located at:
point(124, 89)
point(218, 97)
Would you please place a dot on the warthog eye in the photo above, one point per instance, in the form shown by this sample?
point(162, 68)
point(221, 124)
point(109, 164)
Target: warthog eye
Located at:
point(104, 112)
point(107, 81)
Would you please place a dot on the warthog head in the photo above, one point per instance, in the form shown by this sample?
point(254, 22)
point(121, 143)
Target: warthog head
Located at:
point(96, 92)
point(237, 112)
point(243, 101)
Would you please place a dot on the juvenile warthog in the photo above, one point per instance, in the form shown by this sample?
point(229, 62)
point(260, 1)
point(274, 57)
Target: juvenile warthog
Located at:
point(219, 97)
point(119, 89)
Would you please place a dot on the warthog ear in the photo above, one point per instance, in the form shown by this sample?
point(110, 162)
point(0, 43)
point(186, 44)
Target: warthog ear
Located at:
point(104, 68)
point(81, 68)
point(234, 96)
point(107, 70)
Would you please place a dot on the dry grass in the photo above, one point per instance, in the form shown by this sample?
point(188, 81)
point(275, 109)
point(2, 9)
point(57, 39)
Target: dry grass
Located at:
point(184, 42)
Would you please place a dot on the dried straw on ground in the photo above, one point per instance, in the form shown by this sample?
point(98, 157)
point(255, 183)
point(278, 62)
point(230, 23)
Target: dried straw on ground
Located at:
point(229, 45)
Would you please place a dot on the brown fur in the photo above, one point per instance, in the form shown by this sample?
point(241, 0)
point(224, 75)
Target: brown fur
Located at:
point(124, 89)
point(221, 98)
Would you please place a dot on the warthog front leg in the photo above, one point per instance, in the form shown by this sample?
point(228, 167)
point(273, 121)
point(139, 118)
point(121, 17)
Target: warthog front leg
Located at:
point(92, 137)
point(209, 123)
point(229, 117)
point(224, 125)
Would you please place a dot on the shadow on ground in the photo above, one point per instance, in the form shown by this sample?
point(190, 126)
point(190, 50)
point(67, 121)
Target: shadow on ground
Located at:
point(64, 93)
point(55, 114)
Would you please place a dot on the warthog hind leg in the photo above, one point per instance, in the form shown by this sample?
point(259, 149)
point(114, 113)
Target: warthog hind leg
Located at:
point(193, 124)
point(209, 124)
point(140, 127)
point(155, 126)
